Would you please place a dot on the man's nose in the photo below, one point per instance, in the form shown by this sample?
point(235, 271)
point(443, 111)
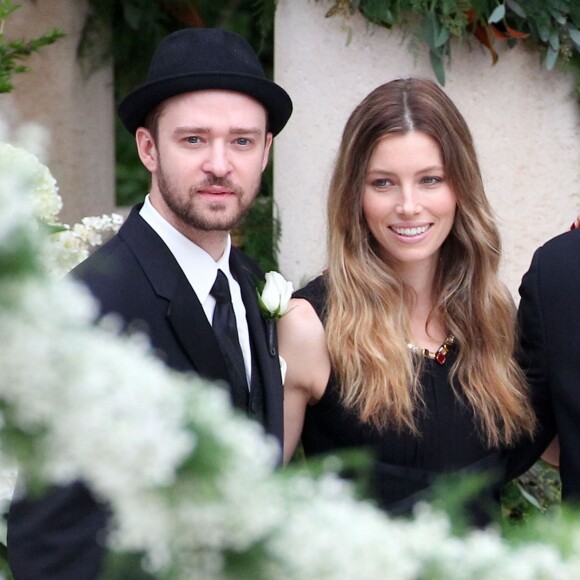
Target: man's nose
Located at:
point(217, 162)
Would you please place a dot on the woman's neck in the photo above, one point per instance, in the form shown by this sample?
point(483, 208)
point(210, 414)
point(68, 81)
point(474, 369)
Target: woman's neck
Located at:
point(426, 327)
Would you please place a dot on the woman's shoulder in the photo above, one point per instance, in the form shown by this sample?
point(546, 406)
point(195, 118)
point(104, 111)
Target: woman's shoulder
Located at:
point(315, 292)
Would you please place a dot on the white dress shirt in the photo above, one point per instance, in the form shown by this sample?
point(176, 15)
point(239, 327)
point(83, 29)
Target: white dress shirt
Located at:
point(200, 269)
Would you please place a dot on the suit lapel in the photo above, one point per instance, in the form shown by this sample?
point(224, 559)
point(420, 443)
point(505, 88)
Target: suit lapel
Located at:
point(184, 311)
point(267, 361)
point(187, 318)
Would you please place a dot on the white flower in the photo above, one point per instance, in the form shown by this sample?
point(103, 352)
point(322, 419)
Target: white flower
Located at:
point(275, 296)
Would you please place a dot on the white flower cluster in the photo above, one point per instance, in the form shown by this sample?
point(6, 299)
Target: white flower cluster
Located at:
point(192, 484)
point(70, 244)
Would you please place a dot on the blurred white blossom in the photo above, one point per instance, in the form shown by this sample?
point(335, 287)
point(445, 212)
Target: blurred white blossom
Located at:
point(191, 483)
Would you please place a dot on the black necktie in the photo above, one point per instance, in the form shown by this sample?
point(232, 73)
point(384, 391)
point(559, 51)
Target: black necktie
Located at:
point(226, 330)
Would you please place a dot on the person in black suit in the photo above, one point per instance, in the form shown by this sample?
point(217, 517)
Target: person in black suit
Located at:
point(203, 121)
point(549, 322)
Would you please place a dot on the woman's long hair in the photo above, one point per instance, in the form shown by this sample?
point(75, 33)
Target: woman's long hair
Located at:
point(367, 323)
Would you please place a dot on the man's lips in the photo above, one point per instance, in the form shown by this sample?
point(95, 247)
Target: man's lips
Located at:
point(214, 191)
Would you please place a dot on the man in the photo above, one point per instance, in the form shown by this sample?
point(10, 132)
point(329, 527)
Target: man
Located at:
point(549, 318)
point(203, 122)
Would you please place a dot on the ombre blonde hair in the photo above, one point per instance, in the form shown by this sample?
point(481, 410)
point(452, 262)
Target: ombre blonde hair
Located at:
point(367, 321)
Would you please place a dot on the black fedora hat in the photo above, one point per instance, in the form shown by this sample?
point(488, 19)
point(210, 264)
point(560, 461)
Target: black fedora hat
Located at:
point(196, 59)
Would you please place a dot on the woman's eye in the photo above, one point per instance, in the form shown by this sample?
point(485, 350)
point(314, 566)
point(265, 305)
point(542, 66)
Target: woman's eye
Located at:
point(432, 180)
point(381, 183)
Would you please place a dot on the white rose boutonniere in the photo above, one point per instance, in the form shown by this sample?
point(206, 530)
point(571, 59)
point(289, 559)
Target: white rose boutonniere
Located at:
point(275, 296)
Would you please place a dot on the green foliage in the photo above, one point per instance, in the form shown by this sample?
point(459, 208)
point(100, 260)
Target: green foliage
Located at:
point(538, 491)
point(552, 27)
point(259, 233)
point(13, 52)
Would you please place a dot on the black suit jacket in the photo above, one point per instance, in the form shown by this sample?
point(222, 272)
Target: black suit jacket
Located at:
point(136, 276)
point(549, 321)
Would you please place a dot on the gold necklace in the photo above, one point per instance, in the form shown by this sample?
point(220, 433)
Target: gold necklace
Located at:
point(439, 355)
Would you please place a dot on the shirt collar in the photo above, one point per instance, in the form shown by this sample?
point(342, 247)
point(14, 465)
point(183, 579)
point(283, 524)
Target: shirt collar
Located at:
point(198, 266)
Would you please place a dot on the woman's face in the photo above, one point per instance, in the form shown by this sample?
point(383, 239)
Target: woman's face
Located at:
point(407, 203)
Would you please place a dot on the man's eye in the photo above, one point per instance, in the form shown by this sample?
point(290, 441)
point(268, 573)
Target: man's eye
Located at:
point(193, 140)
point(243, 141)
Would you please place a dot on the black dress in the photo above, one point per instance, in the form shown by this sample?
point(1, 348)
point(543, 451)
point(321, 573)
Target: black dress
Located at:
point(404, 465)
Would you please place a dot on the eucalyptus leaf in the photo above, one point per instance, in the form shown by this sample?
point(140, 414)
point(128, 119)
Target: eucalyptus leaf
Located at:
point(497, 15)
point(437, 66)
point(574, 35)
point(561, 5)
point(555, 41)
point(377, 11)
point(430, 29)
point(442, 37)
point(516, 8)
point(551, 58)
point(544, 32)
point(558, 17)
point(529, 497)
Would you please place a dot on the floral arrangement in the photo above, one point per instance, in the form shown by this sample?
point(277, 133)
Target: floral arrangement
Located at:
point(70, 245)
point(192, 484)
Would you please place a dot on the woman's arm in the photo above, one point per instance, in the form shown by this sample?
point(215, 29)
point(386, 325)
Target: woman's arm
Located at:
point(552, 453)
point(302, 345)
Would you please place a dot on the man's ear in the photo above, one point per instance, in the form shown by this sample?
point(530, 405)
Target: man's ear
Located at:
point(146, 149)
point(267, 148)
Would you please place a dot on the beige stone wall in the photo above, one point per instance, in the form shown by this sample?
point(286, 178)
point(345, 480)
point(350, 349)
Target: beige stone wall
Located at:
point(78, 110)
point(524, 120)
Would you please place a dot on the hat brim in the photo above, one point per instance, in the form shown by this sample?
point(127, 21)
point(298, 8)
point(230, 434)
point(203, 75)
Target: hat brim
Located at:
point(135, 107)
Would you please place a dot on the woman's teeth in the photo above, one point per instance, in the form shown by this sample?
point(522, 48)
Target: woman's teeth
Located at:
point(410, 231)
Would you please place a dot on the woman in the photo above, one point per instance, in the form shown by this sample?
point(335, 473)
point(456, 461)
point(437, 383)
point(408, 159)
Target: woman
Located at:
point(404, 346)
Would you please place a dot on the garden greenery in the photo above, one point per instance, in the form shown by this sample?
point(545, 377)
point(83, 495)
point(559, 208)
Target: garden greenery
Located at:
point(552, 27)
point(12, 53)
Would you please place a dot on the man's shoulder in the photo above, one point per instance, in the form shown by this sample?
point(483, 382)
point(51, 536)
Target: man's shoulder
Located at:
point(567, 244)
point(557, 262)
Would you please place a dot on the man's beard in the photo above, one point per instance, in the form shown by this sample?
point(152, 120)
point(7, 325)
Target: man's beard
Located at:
point(184, 208)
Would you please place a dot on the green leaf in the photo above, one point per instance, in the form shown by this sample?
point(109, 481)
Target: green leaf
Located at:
point(528, 496)
point(574, 35)
point(442, 37)
point(544, 32)
point(516, 8)
point(437, 66)
point(558, 17)
point(551, 58)
point(377, 11)
point(497, 15)
point(430, 29)
point(555, 41)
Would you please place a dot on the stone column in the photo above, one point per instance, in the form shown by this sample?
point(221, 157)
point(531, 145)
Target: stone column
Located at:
point(76, 108)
